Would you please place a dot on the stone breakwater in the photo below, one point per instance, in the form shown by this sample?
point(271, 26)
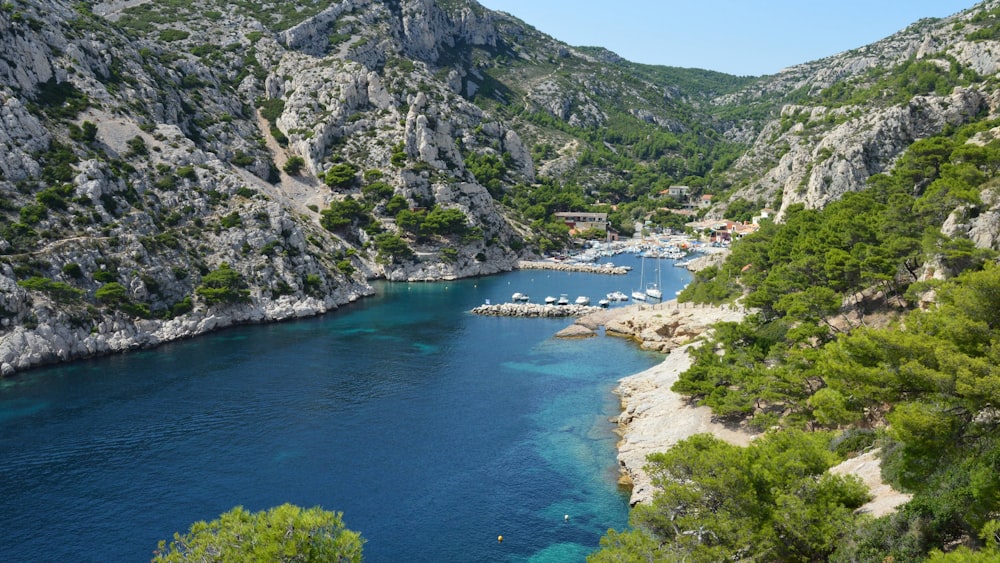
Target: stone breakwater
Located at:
point(573, 267)
point(533, 310)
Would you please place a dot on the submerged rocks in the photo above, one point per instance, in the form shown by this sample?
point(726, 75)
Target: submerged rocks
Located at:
point(576, 331)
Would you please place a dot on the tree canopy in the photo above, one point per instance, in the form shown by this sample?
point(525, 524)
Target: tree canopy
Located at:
point(284, 533)
point(922, 388)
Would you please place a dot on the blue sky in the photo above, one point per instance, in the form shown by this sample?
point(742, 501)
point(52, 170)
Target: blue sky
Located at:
point(742, 37)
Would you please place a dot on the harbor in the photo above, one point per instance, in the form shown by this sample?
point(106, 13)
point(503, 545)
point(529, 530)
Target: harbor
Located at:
point(639, 271)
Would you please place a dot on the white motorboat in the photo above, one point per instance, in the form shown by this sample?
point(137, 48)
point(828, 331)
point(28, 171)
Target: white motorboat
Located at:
point(639, 295)
point(519, 297)
point(582, 300)
point(604, 303)
point(550, 300)
point(617, 296)
point(563, 300)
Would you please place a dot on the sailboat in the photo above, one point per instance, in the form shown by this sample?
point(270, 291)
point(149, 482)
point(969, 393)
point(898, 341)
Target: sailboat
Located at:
point(653, 289)
point(639, 294)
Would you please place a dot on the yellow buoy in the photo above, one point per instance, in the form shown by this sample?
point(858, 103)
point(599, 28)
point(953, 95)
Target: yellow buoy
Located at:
point(499, 539)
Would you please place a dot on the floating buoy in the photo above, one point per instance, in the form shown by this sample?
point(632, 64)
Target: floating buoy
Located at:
point(566, 517)
point(499, 539)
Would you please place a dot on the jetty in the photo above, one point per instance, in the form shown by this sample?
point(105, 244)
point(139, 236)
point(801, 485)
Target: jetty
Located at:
point(573, 267)
point(534, 310)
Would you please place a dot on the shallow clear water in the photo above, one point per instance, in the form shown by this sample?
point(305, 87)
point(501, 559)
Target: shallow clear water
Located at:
point(431, 429)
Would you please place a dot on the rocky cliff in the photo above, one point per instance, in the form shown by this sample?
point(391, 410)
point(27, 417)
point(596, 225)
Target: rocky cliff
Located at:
point(136, 166)
point(172, 168)
point(852, 115)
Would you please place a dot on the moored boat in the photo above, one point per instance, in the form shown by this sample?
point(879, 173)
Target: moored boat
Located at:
point(582, 300)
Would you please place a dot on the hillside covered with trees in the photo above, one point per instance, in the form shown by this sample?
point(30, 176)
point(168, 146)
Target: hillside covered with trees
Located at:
point(871, 329)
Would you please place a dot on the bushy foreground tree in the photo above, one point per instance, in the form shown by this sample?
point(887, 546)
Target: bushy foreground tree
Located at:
point(283, 533)
point(771, 501)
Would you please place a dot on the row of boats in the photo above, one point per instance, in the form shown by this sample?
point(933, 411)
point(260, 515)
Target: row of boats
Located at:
point(563, 299)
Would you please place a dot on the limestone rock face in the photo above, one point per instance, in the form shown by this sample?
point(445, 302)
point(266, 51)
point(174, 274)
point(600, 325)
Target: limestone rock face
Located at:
point(813, 154)
point(172, 164)
point(815, 171)
point(23, 134)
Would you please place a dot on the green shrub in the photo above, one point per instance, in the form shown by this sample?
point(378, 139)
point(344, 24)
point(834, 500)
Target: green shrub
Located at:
point(391, 247)
point(344, 213)
point(449, 255)
point(294, 165)
point(73, 270)
point(396, 204)
point(242, 159)
point(231, 220)
point(169, 35)
point(279, 136)
point(271, 109)
point(223, 285)
point(377, 191)
point(112, 293)
point(398, 158)
point(137, 146)
point(60, 100)
point(187, 172)
point(340, 175)
point(104, 276)
point(33, 214)
point(60, 291)
point(182, 307)
point(312, 284)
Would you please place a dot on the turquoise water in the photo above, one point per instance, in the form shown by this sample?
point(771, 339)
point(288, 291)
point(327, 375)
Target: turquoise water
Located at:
point(431, 429)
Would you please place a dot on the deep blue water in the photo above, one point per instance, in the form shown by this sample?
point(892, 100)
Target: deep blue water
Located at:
point(431, 429)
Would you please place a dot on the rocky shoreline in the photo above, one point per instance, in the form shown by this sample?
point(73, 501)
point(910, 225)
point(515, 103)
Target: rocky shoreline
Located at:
point(654, 418)
point(54, 341)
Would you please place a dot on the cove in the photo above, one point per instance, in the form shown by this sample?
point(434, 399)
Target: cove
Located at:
point(431, 429)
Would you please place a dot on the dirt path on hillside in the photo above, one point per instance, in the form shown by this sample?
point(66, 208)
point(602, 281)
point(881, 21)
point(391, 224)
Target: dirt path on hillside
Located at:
point(301, 191)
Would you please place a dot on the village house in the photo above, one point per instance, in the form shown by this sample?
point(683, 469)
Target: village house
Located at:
point(680, 193)
point(579, 221)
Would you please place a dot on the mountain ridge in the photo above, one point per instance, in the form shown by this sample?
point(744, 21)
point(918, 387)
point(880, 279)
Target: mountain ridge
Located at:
point(310, 147)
